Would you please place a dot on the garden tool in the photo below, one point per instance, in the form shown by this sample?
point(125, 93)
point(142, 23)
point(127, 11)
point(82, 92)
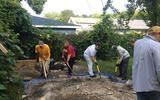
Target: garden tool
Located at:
point(65, 61)
point(43, 69)
point(117, 66)
point(97, 66)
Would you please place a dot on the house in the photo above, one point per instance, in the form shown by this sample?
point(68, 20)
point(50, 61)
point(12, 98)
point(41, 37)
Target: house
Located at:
point(57, 26)
point(83, 23)
point(137, 25)
point(134, 25)
point(44, 23)
point(87, 23)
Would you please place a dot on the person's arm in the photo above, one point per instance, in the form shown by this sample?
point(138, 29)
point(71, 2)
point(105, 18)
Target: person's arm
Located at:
point(37, 54)
point(93, 55)
point(63, 53)
point(68, 57)
point(94, 59)
point(48, 54)
point(156, 60)
point(121, 53)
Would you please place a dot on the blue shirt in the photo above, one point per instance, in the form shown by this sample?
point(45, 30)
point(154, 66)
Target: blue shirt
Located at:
point(146, 65)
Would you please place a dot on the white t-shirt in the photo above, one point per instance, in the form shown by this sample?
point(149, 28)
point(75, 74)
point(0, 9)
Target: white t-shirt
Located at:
point(91, 50)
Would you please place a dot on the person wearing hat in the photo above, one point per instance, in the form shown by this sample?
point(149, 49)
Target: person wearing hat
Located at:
point(90, 57)
point(146, 66)
point(43, 55)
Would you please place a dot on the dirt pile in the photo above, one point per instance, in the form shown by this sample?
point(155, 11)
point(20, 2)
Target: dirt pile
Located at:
point(80, 89)
point(59, 87)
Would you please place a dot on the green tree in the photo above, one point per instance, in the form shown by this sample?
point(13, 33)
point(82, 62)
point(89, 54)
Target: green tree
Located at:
point(8, 78)
point(53, 15)
point(65, 15)
point(18, 20)
point(148, 9)
point(138, 15)
point(37, 5)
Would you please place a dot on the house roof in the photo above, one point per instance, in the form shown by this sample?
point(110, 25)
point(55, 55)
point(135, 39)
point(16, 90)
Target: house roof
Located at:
point(134, 24)
point(137, 24)
point(81, 20)
point(44, 22)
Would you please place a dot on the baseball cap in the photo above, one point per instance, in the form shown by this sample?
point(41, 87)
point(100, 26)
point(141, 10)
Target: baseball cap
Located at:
point(154, 29)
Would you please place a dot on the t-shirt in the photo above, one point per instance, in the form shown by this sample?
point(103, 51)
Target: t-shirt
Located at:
point(71, 51)
point(123, 53)
point(44, 52)
point(91, 50)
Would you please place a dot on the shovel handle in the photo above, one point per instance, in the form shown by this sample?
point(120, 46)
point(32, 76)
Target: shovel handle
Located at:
point(98, 71)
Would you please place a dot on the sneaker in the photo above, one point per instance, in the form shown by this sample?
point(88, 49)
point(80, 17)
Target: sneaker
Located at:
point(93, 76)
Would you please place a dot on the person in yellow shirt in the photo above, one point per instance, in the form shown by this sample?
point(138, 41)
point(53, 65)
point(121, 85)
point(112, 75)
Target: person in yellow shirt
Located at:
point(43, 56)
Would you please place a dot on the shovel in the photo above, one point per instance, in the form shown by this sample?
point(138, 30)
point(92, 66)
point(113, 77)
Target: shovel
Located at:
point(67, 63)
point(44, 70)
point(97, 66)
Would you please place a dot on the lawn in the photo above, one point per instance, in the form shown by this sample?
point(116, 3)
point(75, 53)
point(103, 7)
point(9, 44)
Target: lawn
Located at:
point(108, 66)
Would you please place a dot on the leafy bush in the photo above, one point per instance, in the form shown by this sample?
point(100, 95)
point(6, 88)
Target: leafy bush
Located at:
point(80, 42)
point(53, 39)
point(8, 76)
point(13, 17)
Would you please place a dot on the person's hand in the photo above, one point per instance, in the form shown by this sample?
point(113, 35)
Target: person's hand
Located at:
point(65, 62)
point(96, 63)
point(117, 64)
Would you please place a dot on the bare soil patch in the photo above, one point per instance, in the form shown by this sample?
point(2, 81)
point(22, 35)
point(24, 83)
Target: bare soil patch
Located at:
point(59, 87)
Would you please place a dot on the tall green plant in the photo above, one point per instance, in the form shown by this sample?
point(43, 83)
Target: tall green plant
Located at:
point(15, 18)
point(7, 66)
point(37, 5)
point(148, 9)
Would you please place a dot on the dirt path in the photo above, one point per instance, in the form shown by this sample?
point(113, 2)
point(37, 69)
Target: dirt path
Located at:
point(59, 87)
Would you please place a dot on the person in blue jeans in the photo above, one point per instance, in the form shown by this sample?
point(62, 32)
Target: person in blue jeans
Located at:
point(146, 66)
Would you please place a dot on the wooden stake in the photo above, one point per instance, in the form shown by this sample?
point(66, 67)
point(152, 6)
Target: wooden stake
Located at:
point(3, 49)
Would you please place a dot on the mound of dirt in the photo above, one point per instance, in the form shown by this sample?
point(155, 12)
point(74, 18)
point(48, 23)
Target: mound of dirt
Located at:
point(59, 87)
point(80, 88)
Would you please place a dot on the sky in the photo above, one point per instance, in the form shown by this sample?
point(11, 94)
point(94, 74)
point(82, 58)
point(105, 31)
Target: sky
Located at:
point(79, 7)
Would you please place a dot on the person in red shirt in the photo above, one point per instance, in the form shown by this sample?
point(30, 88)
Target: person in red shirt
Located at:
point(69, 50)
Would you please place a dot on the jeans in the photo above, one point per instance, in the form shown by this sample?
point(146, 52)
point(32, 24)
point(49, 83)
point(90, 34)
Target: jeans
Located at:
point(89, 64)
point(123, 68)
point(148, 95)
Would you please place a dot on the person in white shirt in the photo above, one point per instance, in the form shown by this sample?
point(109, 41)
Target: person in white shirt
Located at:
point(122, 61)
point(90, 57)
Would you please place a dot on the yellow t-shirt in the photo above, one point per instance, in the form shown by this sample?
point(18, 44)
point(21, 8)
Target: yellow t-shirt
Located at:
point(44, 52)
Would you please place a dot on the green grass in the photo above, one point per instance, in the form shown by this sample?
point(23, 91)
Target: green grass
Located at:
point(109, 66)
